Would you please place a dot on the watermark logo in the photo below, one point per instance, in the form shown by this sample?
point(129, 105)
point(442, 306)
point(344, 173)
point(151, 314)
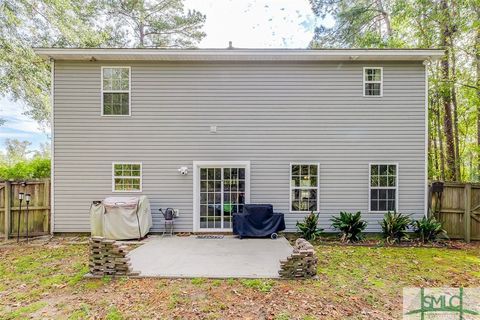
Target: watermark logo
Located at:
point(441, 303)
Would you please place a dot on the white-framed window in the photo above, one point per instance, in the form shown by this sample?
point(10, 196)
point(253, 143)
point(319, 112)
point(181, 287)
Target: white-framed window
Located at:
point(115, 91)
point(127, 177)
point(372, 82)
point(383, 187)
point(304, 183)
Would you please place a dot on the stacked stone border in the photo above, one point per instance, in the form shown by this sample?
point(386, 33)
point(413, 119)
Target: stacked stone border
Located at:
point(301, 264)
point(109, 258)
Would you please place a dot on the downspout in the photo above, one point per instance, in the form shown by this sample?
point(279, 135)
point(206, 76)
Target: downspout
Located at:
point(426, 191)
point(52, 146)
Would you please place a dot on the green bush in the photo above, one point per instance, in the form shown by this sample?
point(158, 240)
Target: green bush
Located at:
point(429, 230)
point(394, 227)
point(350, 225)
point(36, 168)
point(309, 227)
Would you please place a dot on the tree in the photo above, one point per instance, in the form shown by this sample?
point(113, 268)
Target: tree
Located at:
point(454, 81)
point(25, 24)
point(363, 23)
point(161, 23)
point(16, 150)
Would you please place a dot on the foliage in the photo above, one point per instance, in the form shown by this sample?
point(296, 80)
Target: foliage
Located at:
point(429, 229)
point(36, 168)
point(394, 227)
point(350, 225)
point(309, 229)
point(454, 81)
point(156, 23)
point(26, 24)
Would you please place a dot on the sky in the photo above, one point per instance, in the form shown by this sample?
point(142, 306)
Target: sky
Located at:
point(247, 23)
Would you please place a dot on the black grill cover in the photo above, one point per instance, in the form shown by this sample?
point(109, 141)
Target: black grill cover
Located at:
point(257, 220)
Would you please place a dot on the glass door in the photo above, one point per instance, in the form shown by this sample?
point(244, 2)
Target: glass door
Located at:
point(222, 193)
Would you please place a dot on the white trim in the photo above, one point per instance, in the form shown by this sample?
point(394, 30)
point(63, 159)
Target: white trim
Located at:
point(397, 179)
point(113, 176)
point(196, 188)
point(52, 149)
point(380, 82)
point(290, 186)
point(110, 54)
point(129, 91)
point(426, 140)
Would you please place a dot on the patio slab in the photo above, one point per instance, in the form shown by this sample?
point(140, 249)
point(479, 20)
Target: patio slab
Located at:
point(228, 257)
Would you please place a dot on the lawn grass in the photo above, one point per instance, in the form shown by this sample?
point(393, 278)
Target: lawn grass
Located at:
point(355, 282)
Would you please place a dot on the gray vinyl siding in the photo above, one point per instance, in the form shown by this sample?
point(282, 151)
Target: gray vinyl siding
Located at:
point(271, 114)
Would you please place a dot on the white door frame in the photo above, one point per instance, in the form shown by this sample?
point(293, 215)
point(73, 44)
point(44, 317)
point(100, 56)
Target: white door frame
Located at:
point(196, 188)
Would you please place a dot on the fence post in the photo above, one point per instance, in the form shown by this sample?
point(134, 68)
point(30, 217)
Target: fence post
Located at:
point(8, 208)
point(467, 212)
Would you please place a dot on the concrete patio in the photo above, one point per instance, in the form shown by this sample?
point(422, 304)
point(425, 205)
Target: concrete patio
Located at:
point(228, 257)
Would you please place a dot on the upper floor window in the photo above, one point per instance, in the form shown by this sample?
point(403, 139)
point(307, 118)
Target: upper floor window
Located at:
point(116, 91)
point(383, 187)
point(127, 177)
point(304, 187)
point(372, 82)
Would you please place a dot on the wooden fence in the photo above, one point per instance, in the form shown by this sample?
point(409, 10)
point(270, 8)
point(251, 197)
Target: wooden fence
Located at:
point(458, 208)
point(38, 211)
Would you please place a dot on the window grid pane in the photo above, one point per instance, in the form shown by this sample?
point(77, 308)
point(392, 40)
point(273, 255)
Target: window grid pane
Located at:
point(116, 91)
point(383, 187)
point(304, 187)
point(127, 177)
point(373, 81)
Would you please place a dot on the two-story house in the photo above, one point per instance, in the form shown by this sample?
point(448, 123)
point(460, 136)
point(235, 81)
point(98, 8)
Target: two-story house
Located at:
point(207, 130)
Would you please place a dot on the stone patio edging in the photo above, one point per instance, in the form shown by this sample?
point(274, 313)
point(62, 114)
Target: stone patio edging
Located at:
point(302, 263)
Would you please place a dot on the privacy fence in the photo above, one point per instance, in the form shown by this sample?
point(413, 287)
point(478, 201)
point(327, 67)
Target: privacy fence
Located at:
point(457, 206)
point(38, 208)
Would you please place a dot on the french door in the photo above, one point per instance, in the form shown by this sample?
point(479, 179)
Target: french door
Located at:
point(222, 190)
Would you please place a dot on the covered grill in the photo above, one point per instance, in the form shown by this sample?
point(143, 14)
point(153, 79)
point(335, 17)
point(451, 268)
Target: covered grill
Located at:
point(258, 220)
point(121, 218)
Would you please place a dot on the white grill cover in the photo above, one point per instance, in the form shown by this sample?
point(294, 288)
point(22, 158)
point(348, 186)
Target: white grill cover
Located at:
point(119, 220)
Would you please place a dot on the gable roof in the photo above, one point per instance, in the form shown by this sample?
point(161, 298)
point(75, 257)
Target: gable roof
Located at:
point(112, 54)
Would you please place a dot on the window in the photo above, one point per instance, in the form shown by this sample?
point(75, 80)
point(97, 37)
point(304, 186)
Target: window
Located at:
point(372, 82)
point(303, 187)
point(383, 187)
point(127, 177)
point(115, 91)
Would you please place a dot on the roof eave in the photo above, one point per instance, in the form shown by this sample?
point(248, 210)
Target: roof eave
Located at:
point(240, 54)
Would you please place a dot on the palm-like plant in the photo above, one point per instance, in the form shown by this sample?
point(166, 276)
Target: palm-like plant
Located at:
point(394, 227)
point(429, 229)
point(308, 228)
point(350, 225)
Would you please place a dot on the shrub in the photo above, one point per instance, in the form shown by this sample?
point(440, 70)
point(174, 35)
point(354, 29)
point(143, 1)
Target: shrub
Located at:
point(394, 227)
point(309, 227)
point(429, 229)
point(36, 168)
point(350, 225)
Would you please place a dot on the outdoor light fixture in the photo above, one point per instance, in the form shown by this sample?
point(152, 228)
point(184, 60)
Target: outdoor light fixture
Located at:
point(20, 198)
point(27, 200)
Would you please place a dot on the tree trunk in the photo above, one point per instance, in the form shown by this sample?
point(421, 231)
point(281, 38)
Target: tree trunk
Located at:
point(455, 116)
point(385, 17)
point(141, 35)
point(433, 142)
point(445, 36)
point(440, 141)
point(477, 59)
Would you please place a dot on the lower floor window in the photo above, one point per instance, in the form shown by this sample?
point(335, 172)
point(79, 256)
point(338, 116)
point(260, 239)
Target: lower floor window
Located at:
point(303, 187)
point(127, 177)
point(383, 187)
